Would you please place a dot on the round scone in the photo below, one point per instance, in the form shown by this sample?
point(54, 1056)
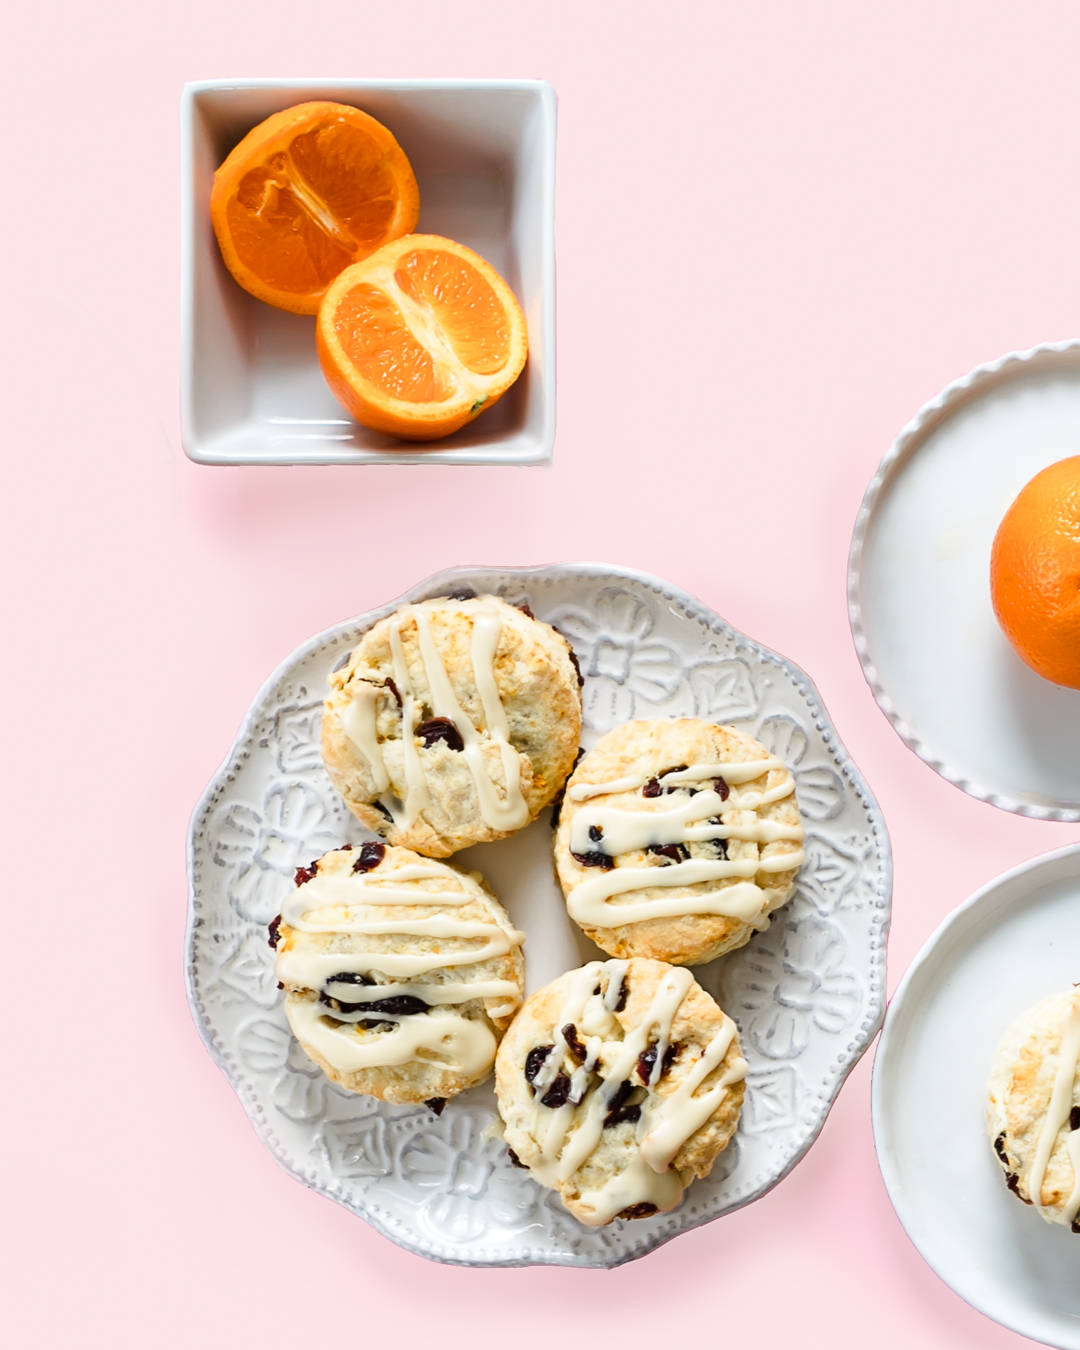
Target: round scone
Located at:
point(677, 839)
point(1033, 1108)
point(618, 1084)
point(400, 973)
point(454, 722)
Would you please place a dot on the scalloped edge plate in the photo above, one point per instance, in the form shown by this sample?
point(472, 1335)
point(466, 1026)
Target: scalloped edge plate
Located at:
point(808, 994)
point(1012, 943)
point(919, 594)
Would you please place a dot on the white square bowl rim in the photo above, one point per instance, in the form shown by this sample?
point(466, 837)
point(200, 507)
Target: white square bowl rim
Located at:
point(545, 94)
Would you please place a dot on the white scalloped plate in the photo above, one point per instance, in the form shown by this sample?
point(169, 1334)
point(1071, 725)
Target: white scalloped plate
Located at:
point(1014, 942)
point(808, 995)
point(919, 585)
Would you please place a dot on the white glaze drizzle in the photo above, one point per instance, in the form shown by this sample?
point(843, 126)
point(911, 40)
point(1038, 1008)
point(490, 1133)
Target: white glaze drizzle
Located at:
point(624, 831)
point(358, 721)
point(734, 774)
point(665, 1123)
point(513, 812)
point(341, 902)
point(1057, 1115)
point(509, 811)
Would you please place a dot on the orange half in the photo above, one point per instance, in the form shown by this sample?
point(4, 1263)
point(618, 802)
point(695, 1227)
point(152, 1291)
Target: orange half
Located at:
point(420, 338)
point(307, 193)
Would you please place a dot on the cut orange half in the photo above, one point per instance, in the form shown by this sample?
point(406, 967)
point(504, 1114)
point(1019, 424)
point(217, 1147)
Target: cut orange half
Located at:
point(304, 195)
point(420, 338)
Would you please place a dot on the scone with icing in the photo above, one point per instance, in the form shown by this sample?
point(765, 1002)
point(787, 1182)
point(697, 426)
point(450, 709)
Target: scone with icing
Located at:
point(400, 973)
point(1033, 1110)
point(454, 722)
point(618, 1084)
point(677, 839)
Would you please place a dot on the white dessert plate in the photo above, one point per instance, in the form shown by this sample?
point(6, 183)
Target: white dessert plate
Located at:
point(483, 152)
point(1014, 942)
point(808, 994)
point(919, 585)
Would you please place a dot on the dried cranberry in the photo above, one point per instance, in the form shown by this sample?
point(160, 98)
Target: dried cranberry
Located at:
point(436, 1104)
point(720, 845)
point(397, 1005)
point(619, 1110)
point(351, 977)
point(307, 873)
point(722, 789)
point(595, 833)
point(624, 994)
point(272, 928)
point(675, 768)
point(1074, 1118)
point(652, 788)
point(515, 1161)
point(382, 810)
point(999, 1149)
point(676, 852)
point(573, 1042)
point(440, 729)
point(534, 1060)
point(388, 683)
point(594, 859)
point(524, 607)
point(557, 1093)
point(647, 1059)
point(641, 1210)
point(371, 855)
point(280, 985)
point(1013, 1182)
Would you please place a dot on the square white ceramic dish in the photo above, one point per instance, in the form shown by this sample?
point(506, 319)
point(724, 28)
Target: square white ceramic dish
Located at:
point(484, 156)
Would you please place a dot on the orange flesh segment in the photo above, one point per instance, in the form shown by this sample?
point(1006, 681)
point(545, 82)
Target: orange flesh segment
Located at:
point(300, 218)
point(466, 309)
point(374, 336)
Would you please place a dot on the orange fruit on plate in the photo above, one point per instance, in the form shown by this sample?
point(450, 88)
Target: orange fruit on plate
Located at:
point(307, 193)
point(1035, 573)
point(420, 338)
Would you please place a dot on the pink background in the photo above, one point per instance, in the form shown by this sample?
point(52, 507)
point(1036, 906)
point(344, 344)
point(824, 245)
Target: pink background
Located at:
point(781, 228)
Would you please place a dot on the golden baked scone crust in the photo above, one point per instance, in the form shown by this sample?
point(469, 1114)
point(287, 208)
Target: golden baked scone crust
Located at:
point(638, 753)
point(1028, 1066)
point(414, 958)
point(432, 800)
point(548, 1093)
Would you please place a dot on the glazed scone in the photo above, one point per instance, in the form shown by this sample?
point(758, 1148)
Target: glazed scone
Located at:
point(677, 839)
point(1033, 1108)
point(400, 973)
point(454, 722)
point(618, 1084)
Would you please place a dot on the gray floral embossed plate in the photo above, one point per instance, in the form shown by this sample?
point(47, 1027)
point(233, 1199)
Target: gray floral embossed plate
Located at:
point(808, 994)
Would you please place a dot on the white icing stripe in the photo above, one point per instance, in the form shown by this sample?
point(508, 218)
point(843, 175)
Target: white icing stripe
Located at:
point(682, 1113)
point(1061, 1102)
point(587, 902)
point(456, 1043)
point(734, 774)
point(622, 831)
point(417, 796)
point(512, 813)
point(358, 722)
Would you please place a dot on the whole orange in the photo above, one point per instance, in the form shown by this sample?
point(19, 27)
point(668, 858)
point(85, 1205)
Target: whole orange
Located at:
point(1035, 573)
